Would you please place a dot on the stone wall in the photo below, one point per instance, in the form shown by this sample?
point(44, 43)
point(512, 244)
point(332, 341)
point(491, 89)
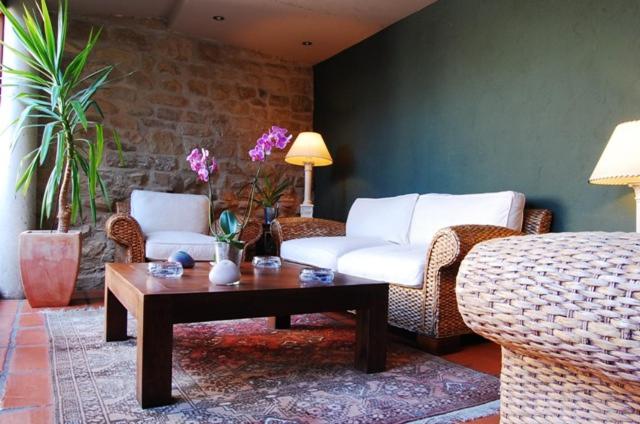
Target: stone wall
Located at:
point(174, 93)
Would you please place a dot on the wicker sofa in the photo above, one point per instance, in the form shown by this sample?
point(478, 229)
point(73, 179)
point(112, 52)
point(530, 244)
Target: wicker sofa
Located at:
point(428, 310)
point(152, 225)
point(566, 310)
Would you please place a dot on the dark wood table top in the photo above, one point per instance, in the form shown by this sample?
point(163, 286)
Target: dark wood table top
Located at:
point(196, 280)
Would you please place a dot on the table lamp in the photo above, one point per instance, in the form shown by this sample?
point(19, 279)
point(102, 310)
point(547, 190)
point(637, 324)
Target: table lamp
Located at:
point(308, 150)
point(620, 161)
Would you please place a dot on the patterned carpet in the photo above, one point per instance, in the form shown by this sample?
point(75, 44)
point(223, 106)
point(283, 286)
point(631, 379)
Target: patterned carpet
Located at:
point(242, 372)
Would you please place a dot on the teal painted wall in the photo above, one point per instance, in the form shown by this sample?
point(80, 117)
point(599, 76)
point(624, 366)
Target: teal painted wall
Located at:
point(485, 95)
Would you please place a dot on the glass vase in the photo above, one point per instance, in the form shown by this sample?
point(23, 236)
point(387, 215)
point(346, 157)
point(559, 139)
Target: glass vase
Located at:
point(224, 250)
point(270, 213)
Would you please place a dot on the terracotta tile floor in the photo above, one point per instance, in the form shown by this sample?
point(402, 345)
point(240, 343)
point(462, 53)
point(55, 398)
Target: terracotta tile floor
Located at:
point(25, 374)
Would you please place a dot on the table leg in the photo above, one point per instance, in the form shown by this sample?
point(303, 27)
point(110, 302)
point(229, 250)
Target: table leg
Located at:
point(279, 322)
point(371, 333)
point(155, 342)
point(115, 321)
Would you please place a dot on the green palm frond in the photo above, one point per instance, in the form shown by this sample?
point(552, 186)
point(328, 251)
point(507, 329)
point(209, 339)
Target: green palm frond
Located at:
point(58, 99)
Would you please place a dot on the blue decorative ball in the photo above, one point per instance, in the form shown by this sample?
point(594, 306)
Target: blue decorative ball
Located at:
point(183, 257)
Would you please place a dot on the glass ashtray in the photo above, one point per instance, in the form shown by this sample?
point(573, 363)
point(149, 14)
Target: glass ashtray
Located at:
point(318, 275)
point(165, 269)
point(272, 262)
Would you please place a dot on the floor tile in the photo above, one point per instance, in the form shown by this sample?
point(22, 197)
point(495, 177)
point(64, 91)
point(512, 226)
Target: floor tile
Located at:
point(29, 358)
point(5, 338)
point(32, 336)
point(9, 307)
point(31, 319)
point(38, 415)
point(484, 357)
point(28, 389)
point(6, 323)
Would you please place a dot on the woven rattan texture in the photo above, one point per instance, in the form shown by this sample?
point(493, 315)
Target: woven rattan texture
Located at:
point(431, 310)
point(540, 392)
point(125, 231)
point(405, 307)
point(571, 300)
point(536, 221)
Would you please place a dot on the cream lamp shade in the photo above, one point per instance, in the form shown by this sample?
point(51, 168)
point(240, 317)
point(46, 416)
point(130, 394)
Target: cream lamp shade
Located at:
point(619, 164)
point(308, 150)
point(309, 147)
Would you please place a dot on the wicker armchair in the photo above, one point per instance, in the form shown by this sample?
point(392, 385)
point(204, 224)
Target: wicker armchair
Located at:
point(431, 312)
point(125, 231)
point(566, 310)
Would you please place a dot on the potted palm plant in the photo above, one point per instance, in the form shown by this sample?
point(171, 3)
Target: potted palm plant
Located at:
point(59, 98)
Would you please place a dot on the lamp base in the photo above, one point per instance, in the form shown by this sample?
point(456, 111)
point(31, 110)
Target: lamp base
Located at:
point(636, 190)
point(306, 211)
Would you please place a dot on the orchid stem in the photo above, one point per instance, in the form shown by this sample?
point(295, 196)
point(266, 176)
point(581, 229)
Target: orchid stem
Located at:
point(247, 215)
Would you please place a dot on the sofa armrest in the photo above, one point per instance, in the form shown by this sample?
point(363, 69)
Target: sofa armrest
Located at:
point(450, 245)
point(537, 221)
point(283, 229)
point(448, 248)
point(570, 298)
point(123, 229)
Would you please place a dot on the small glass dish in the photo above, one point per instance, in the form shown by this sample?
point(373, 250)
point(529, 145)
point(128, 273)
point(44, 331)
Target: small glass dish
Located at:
point(318, 275)
point(165, 269)
point(271, 262)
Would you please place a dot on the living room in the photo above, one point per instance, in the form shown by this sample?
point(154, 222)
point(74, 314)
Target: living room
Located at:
point(434, 167)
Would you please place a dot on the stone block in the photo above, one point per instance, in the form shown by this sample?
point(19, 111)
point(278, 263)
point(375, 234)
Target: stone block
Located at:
point(246, 92)
point(176, 48)
point(198, 87)
point(172, 85)
point(301, 104)
point(168, 114)
point(274, 85)
point(278, 101)
point(168, 100)
point(167, 68)
point(130, 37)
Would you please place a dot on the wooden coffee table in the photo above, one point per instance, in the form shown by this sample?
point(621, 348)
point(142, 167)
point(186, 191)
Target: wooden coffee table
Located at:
point(157, 304)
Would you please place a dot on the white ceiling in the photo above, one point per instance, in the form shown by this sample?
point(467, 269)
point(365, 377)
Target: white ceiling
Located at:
point(276, 27)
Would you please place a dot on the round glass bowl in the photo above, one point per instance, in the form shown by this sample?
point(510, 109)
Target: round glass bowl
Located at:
point(271, 262)
point(318, 275)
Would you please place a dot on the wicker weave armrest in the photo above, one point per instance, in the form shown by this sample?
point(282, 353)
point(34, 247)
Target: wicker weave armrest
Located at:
point(126, 232)
point(569, 298)
point(450, 245)
point(283, 229)
point(448, 248)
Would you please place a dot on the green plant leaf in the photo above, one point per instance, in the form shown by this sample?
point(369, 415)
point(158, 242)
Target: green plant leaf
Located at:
point(58, 98)
point(228, 223)
point(77, 107)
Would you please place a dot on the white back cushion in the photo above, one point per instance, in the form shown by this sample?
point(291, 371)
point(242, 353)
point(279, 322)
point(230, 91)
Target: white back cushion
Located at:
point(157, 211)
point(387, 218)
point(436, 211)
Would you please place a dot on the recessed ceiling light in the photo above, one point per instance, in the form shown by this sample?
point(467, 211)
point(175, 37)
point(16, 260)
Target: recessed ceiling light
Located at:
point(307, 43)
point(218, 18)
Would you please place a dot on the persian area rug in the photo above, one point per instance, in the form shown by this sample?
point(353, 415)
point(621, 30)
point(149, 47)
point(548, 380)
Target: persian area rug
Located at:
point(242, 372)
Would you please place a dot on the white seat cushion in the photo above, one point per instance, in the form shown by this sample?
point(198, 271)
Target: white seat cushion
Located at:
point(156, 211)
point(386, 218)
point(400, 264)
point(436, 211)
point(324, 251)
point(161, 244)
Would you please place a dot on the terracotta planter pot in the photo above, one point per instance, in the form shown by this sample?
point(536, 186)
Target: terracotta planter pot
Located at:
point(49, 264)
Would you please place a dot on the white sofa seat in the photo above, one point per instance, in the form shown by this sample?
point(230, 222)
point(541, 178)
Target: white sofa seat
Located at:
point(399, 264)
point(324, 251)
point(161, 244)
